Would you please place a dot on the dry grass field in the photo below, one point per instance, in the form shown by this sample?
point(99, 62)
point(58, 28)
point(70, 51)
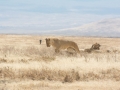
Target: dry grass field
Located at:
point(27, 65)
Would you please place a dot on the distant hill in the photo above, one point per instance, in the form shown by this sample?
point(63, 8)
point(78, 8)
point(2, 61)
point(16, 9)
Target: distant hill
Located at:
point(104, 28)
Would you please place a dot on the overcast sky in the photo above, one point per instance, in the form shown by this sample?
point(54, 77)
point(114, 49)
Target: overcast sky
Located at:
point(19, 16)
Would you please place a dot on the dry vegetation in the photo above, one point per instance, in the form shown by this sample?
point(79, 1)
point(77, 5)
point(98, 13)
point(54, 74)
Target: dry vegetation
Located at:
point(27, 65)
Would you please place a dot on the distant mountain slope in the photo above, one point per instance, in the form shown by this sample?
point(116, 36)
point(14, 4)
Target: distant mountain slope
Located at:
point(105, 28)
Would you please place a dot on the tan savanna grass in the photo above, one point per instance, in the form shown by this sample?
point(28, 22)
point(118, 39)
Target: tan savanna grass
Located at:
point(27, 65)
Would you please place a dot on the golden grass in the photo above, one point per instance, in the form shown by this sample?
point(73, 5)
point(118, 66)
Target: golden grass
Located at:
point(51, 85)
point(27, 65)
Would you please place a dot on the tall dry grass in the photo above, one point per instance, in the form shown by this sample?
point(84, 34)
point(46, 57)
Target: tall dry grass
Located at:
point(23, 59)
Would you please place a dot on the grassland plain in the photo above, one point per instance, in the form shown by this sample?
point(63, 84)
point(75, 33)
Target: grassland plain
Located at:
point(27, 65)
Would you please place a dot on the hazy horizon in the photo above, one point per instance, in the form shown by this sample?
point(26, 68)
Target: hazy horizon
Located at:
point(43, 15)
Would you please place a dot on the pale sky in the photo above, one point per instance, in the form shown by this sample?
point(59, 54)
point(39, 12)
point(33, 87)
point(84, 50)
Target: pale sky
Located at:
point(36, 16)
